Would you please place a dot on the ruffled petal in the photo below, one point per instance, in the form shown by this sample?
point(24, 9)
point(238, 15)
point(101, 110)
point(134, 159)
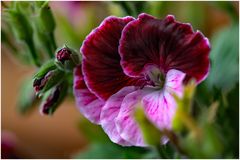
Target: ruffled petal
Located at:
point(110, 111)
point(166, 43)
point(88, 104)
point(174, 81)
point(125, 122)
point(160, 108)
point(102, 71)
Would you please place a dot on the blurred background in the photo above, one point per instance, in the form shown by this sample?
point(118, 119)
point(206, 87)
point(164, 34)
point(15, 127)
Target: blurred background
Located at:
point(59, 136)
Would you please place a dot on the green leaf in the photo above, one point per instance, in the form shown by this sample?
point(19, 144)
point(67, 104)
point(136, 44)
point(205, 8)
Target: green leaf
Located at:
point(224, 57)
point(93, 132)
point(228, 122)
point(101, 146)
point(111, 151)
point(208, 146)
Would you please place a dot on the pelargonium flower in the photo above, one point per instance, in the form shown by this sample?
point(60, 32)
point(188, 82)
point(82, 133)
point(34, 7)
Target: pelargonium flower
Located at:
point(128, 61)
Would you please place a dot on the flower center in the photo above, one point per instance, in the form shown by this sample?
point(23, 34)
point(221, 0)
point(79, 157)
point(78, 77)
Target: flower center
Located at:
point(154, 77)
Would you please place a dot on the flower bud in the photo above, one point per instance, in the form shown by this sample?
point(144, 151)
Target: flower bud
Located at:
point(46, 67)
point(47, 77)
point(49, 80)
point(22, 29)
point(20, 25)
point(53, 98)
point(45, 18)
point(66, 59)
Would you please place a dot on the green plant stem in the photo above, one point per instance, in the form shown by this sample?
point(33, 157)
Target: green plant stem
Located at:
point(161, 151)
point(53, 41)
point(175, 141)
point(49, 51)
point(33, 53)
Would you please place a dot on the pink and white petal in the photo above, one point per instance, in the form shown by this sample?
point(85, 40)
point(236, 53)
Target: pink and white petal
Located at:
point(160, 108)
point(174, 82)
point(110, 111)
point(125, 122)
point(102, 71)
point(88, 104)
point(166, 43)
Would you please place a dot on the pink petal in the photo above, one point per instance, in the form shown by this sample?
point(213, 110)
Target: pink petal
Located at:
point(88, 104)
point(160, 108)
point(125, 122)
point(102, 71)
point(110, 111)
point(166, 43)
point(173, 82)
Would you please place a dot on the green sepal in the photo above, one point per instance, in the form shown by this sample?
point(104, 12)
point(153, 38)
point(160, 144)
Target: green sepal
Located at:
point(55, 78)
point(75, 58)
point(59, 65)
point(45, 68)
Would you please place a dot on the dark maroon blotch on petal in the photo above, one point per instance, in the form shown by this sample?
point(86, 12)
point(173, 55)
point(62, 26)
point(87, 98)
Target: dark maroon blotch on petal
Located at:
point(102, 71)
point(166, 43)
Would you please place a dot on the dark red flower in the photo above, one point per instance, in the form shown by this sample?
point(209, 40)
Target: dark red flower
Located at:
point(129, 61)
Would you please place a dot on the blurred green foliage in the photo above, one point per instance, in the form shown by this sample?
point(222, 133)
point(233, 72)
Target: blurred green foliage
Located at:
point(26, 99)
point(224, 71)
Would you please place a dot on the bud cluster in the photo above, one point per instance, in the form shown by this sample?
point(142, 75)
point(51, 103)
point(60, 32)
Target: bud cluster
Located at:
point(51, 80)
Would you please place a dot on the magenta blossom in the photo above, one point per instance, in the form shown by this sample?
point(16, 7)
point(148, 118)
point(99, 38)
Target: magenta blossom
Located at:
point(145, 61)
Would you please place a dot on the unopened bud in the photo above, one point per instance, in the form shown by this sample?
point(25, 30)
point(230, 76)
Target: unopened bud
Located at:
point(47, 77)
point(46, 67)
point(53, 98)
point(63, 55)
point(66, 59)
point(20, 24)
point(45, 18)
point(52, 78)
